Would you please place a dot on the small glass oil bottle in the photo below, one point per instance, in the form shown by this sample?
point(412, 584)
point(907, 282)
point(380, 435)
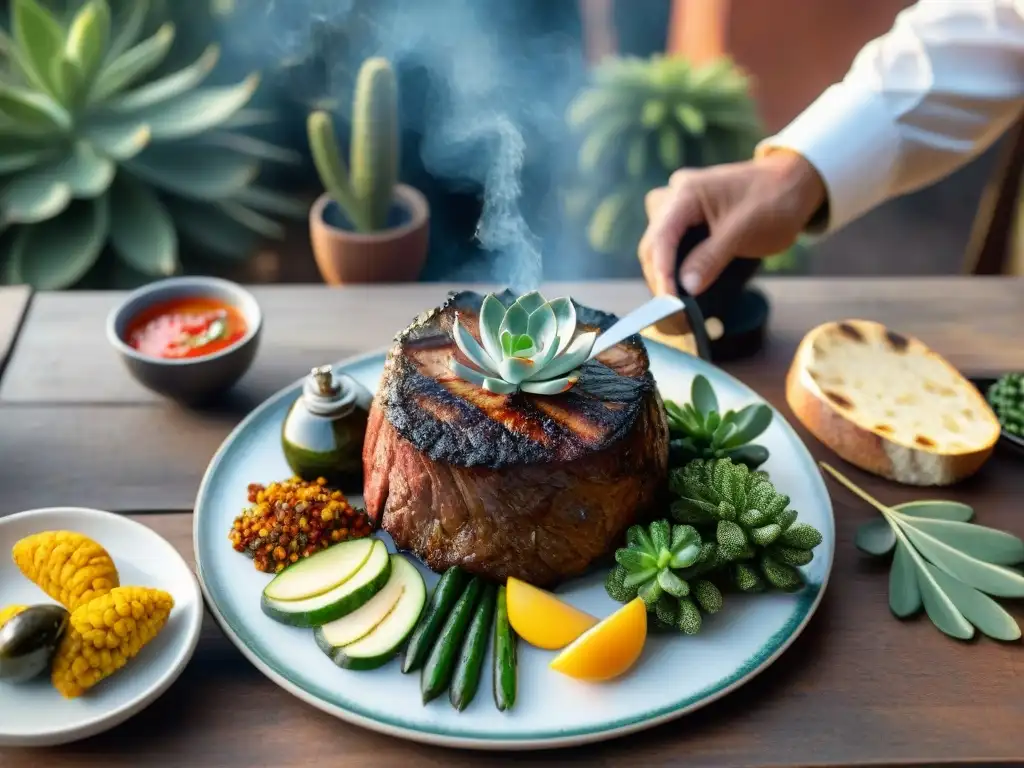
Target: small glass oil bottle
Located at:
point(323, 433)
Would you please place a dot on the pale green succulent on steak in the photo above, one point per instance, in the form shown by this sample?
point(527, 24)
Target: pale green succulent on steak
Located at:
point(529, 346)
point(96, 150)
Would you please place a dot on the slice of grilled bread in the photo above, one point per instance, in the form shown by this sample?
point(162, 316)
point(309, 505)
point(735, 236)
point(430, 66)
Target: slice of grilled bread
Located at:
point(889, 404)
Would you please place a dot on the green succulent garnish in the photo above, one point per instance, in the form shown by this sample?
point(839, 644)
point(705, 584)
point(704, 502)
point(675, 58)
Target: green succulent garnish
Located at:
point(753, 532)
point(944, 564)
point(699, 430)
point(1006, 396)
point(528, 346)
point(659, 564)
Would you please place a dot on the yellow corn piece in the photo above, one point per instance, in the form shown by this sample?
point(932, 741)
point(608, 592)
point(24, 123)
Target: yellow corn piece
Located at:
point(9, 612)
point(69, 567)
point(105, 634)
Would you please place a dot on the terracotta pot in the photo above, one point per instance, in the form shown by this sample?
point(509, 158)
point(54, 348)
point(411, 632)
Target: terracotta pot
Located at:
point(390, 256)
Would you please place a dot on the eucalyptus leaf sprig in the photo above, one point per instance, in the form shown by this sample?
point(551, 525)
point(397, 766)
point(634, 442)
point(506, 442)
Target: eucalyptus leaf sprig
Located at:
point(944, 563)
point(699, 429)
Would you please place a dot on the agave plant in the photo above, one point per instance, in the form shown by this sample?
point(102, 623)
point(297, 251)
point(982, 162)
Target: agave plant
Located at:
point(97, 151)
point(529, 346)
point(642, 119)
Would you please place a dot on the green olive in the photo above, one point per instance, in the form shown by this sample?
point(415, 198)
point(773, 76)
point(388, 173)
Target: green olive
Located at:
point(29, 640)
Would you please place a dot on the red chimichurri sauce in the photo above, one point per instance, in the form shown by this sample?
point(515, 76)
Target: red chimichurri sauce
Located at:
point(184, 328)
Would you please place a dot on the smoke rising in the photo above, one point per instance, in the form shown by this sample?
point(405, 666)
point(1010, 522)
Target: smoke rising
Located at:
point(489, 102)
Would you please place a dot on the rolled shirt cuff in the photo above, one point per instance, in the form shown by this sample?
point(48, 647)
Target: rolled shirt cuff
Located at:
point(848, 135)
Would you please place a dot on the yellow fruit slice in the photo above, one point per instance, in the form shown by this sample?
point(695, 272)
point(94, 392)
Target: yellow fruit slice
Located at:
point(541, 619)
point(608, 649)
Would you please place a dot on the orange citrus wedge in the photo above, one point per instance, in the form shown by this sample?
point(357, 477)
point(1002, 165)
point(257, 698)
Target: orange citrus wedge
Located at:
point(608, 649)
point(541, 619)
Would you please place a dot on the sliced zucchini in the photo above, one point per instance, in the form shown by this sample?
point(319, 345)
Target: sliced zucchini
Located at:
point(362, 621)
point(337, 602)
point(320, 572)
point(382, 644)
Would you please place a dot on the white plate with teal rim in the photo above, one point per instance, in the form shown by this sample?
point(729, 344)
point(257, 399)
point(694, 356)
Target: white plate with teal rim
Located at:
point(676, 673)
point(34, 714)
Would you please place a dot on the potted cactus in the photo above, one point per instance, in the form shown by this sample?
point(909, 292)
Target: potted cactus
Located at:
point(366, 227)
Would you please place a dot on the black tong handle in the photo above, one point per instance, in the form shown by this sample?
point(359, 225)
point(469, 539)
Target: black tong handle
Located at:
point(693, 237)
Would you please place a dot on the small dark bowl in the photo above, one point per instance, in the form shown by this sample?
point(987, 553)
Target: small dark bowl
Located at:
point(191, 381)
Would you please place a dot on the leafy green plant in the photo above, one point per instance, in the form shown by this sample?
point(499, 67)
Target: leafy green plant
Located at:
point(1006, 396)
point(640, 120)
point(699, 430)
point(96, 158)
point(528, 346)
point(366, 194)
point(944, 563)
point(756, 535)
point(655, 565)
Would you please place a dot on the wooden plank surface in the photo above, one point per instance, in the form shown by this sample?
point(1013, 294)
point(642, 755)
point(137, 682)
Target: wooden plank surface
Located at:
point(14, 300)
point(857, 687)
point(63, 355)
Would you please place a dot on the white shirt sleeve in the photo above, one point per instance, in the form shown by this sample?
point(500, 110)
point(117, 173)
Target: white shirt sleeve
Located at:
point(918, 103)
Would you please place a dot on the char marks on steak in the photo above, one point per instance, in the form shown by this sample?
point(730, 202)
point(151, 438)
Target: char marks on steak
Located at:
point(531, 486)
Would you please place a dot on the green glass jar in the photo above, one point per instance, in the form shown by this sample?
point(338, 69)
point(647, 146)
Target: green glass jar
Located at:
point(323, 433)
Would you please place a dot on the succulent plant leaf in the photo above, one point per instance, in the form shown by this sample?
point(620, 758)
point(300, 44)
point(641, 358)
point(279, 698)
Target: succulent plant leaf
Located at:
point(34, 196)
point(546, 355)
point(543, 327)
point(250, 118)
point(142, 233)
point(565, 313)
point(269, 201)
point(574, 356)
point(515, 321)
point(133, 64)
point(169, 86)
point(199, 175)
point(531, 301)
point(466, 373)
point(492, 312)
point(30, 111)
point(87, 38)
point(12, 162)
point(254, 147)
point(514, 370)
point(253, 220)
point(551, 386)
point(118, 141)
point(470, 348)
point(498, 387)
point(196, 111)
point(88, 173)
point(125, 31)
point(39, 40)
point(59, 254)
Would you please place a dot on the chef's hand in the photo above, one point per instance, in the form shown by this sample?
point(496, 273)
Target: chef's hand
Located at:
point(755, 209)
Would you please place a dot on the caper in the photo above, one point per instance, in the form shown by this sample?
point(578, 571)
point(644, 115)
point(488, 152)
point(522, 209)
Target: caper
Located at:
point(29, 640)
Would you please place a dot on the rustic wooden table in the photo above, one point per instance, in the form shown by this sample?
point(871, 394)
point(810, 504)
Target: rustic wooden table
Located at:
point(857, 687)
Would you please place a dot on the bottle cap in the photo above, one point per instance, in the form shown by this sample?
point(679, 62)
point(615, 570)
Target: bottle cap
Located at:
point(328, 394)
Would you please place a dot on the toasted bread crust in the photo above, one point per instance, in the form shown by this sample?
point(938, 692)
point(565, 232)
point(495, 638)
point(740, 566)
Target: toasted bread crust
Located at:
point(832, 415)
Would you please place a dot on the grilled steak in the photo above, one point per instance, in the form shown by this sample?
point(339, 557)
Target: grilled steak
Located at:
point(536, 487)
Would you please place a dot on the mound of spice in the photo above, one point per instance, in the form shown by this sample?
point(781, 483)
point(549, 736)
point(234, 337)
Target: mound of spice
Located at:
point(293, 519)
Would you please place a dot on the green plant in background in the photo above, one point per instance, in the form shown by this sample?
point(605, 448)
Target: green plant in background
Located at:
point(98, 155)
point(642, 119)
point(366, 194)
point(944, 563)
